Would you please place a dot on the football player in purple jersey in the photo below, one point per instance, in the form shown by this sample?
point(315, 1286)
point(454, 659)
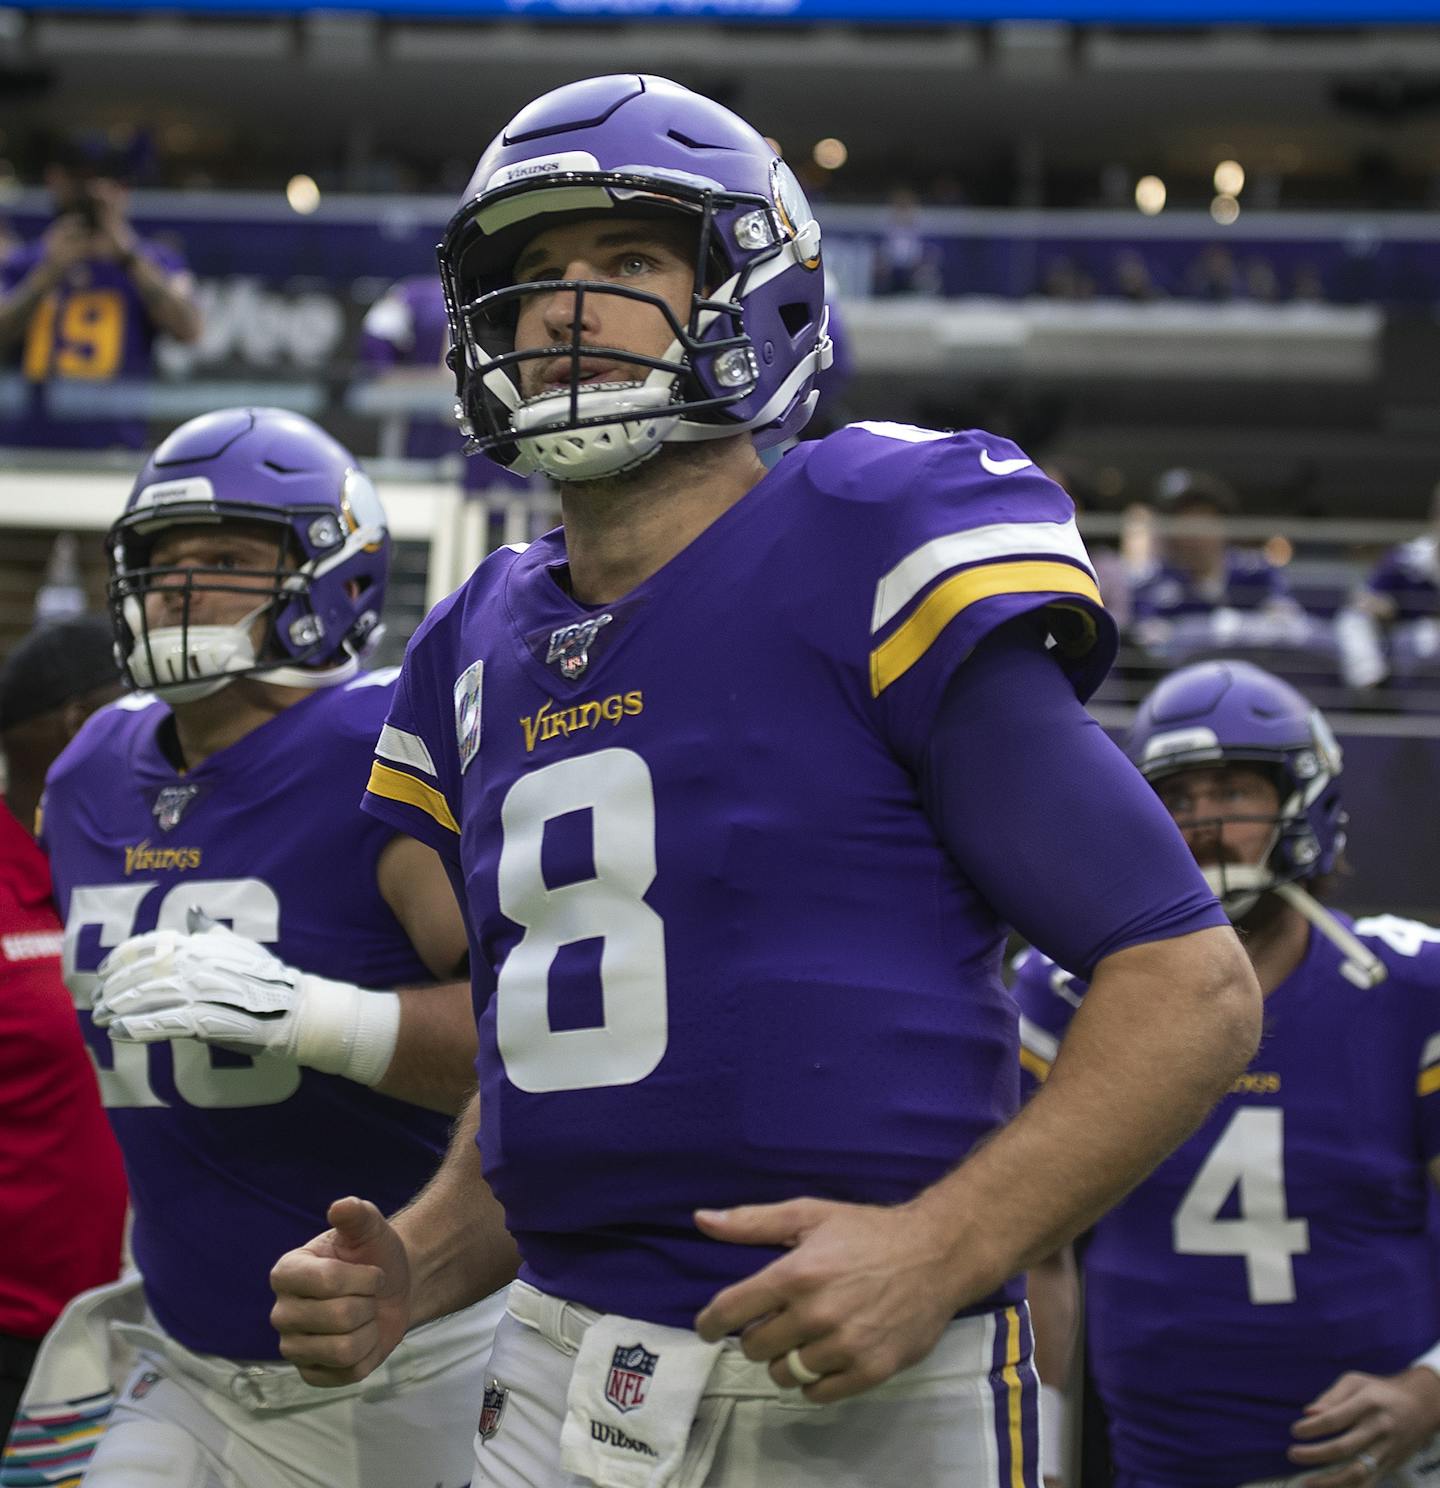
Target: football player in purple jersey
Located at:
point(741, 775)
point(266, 977)
point(1267, 1302)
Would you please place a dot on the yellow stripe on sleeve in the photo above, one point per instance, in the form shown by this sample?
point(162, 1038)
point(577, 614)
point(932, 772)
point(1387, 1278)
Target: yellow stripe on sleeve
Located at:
point(893, 658)
point(1429, 1081)
point(1038, 1067)
point(395, 785)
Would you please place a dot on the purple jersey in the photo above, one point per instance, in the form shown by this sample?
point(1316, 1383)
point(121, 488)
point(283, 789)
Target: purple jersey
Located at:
point(1286, 1241)
point(406, 327)
point(1409, 577)
point(1165, 592)
point(721, 955)
point(232, 1159)
point(92, 329)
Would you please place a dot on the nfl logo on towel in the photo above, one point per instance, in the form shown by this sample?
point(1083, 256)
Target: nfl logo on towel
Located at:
point(630, 1372)
point(492, 1406)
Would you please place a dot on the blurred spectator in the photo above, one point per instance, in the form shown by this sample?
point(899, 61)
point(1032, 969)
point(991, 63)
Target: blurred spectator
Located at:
point(403, 341)
point(906, 263)
point(405, 332)
point(1197, 573)
point(62, 1189)
point(1308, 284)
point(1063, 279)
point(1261, 281)
point(1393, 621)
point(84, 304)
point(1214, 275)
point(1133, 280)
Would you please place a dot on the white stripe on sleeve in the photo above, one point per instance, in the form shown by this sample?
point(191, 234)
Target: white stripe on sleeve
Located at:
point(978, 545)
point(405, 749)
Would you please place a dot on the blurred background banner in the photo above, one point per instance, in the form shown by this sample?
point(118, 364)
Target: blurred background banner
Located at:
point(862, 12)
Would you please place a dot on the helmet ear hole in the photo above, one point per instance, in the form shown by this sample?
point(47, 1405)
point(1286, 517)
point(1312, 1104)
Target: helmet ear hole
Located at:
point(796, 318)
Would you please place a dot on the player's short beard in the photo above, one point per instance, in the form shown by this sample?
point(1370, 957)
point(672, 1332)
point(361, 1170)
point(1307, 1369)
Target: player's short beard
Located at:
point(1262, 917)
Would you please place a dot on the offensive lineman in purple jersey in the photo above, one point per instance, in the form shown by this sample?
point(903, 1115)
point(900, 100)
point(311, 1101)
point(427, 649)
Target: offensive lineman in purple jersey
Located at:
point(215, 844)
point(736, 858)
point(1266, 1302)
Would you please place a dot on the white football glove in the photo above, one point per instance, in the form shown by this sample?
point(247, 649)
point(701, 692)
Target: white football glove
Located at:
point(221, 988)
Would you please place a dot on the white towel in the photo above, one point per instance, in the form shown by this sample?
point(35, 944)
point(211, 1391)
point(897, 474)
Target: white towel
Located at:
point(77, 1373)
point(632, 1402)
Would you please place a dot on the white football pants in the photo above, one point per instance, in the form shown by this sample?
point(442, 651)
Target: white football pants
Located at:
point(186, 1420)
point(965, 1417)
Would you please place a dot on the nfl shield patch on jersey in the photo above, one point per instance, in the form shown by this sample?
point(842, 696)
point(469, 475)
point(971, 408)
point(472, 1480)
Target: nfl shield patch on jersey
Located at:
point(492, 1407)
point(170, 804)
point(570, 646)
point(631, 1370)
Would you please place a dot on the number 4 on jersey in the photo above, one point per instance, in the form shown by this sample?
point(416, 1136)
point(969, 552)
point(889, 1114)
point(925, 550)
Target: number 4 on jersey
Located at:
point(1250, 1154)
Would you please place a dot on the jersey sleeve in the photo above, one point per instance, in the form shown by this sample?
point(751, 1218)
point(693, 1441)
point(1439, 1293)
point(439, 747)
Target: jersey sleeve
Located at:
point(1047, 997)
point(974, 536)
point(414, 778)
point(1410, 950)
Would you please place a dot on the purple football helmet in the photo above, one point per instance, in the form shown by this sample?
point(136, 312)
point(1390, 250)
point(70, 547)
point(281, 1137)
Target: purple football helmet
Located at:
point(745, 355)
point(321, 599)
point(1232, 712)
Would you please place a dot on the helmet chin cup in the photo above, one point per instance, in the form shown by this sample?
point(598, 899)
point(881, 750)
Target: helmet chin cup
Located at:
point(635, 428)
point(184, 663)
point(1238, 886)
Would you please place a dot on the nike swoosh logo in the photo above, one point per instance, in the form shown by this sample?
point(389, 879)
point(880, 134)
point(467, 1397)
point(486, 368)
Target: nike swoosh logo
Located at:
point(1003, 467)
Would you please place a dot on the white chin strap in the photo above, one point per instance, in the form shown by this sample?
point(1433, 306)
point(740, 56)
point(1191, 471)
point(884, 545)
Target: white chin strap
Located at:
point(186, 663)
point(1239, 888)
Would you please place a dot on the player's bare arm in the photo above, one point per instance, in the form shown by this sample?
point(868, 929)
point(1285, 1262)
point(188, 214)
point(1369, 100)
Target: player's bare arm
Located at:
point(434, 1060)
point(866, 1291)
point(345, 1299)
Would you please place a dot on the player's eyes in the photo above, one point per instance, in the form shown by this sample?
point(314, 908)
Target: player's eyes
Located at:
point(636, 263)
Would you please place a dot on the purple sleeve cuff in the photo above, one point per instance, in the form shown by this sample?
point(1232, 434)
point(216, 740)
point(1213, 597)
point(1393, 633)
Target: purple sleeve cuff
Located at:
point(1046, 816)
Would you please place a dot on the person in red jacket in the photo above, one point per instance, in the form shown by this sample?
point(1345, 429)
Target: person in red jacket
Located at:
point(62, 1186)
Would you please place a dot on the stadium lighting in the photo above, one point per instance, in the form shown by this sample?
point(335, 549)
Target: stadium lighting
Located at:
point(303, 194)
point(1224, 209)
point(830, 153)
point(1150, 195)
point(1229, 178)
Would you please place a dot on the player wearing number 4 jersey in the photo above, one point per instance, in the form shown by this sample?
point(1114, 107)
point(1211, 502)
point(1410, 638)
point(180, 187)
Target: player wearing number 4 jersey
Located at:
point(225, 904)
point(1267, 1301)
point(740, 774)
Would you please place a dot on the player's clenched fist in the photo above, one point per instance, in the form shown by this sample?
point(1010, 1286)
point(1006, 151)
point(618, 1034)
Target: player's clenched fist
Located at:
point(343, 1300)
